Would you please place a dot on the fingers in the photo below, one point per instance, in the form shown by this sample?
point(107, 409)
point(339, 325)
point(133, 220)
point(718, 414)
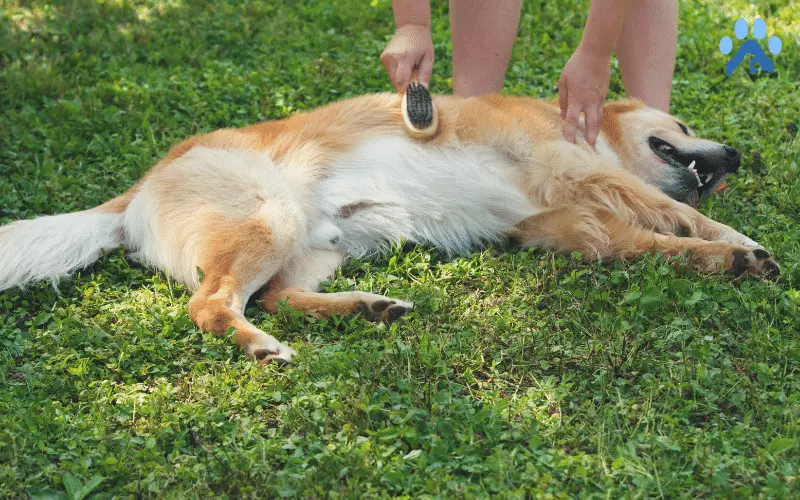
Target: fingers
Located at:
point(426, 69)
point(402, 75)
point(592, 124)
point(410, 51)
point(397, 66)
point(571, 120)
point(401, 70)
point(583, 87)
point(563, 95)
point(600, 117)
point(572, 105)
point(398, 69)
point(389, 61)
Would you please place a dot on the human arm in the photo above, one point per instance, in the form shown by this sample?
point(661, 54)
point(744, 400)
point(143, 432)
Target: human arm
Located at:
point(411, 46)
point(583, 85)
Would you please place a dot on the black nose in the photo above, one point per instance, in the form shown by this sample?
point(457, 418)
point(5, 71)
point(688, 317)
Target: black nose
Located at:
point(732, 159)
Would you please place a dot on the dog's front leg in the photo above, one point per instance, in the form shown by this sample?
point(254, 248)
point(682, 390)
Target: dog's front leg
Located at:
point(603, 235)
point(642, 205)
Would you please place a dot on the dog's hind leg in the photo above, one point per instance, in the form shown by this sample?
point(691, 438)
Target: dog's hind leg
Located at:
point(297, 282)
point(239, 257)
point(605, 236)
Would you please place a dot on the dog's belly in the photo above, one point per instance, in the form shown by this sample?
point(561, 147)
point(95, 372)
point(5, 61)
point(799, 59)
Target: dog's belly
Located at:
point(393, 188)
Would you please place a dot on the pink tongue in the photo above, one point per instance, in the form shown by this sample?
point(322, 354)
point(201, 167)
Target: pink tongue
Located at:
point(722, 187)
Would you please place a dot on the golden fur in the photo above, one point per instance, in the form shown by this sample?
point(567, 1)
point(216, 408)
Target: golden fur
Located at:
point(595, 202)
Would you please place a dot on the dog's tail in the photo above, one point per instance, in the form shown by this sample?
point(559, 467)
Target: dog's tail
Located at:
point(50, 247)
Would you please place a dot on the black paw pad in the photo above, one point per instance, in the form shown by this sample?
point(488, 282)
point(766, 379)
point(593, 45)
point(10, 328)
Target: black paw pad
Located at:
point(396, 312)
point(419, 105)
point(380, 305)
point(260, 354)
point(760, 253)
point(740, 262)
point(771, 269)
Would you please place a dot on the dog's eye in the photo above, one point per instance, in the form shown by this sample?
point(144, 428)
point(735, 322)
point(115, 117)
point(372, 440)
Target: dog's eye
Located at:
point(683, 128)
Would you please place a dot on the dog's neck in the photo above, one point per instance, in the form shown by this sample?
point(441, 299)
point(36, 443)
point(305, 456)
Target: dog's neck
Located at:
point(602, 147)
point(606, 152)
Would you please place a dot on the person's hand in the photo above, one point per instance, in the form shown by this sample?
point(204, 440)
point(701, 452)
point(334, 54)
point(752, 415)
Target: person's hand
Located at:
point(583, 86)
point(410, 47)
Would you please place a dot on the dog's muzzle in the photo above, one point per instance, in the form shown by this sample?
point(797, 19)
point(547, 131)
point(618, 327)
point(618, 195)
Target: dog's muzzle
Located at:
point(699, 172)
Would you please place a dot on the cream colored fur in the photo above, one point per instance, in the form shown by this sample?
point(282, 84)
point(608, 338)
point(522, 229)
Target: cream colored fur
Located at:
point(170, 218)
point(53, 247)
point(283, 203)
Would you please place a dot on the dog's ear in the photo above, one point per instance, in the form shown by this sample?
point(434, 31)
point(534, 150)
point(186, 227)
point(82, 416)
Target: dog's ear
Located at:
point(623, 106)
point(612, 112)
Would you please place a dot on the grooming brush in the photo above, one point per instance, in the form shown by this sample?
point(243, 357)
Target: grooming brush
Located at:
point(419, 113)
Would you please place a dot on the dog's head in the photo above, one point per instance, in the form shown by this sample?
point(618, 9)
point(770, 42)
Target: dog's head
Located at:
point(665, 152)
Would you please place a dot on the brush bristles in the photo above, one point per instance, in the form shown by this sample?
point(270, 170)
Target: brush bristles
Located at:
point(419, 106)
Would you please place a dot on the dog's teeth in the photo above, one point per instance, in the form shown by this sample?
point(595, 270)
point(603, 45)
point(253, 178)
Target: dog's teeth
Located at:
point(694, 171)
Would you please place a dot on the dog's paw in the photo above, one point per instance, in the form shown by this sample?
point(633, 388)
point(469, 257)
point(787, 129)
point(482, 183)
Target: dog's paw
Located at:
point(269, 350)
point(754, 262)
point(384, 310)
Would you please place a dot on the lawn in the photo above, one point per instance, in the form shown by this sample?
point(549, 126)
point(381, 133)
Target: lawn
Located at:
point(519, 374)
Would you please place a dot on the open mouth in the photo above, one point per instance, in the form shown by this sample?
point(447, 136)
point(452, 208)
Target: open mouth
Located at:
point(670, 155)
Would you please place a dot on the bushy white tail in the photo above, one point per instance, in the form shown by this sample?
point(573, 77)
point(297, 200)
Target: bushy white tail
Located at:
point(50, 247)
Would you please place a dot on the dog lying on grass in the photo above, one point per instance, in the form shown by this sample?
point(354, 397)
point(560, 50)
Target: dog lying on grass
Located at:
point(282, 203)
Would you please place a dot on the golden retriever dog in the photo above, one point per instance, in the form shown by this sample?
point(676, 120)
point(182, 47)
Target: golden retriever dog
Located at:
point(282, 203)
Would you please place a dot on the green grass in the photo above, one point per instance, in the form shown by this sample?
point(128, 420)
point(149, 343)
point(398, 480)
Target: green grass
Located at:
point(519, 374)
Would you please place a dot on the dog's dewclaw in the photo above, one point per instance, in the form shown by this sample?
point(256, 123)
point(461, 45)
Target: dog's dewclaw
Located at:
point(419, 113)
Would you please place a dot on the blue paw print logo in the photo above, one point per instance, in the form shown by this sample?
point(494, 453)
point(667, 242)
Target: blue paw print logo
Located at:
point(751, 47)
